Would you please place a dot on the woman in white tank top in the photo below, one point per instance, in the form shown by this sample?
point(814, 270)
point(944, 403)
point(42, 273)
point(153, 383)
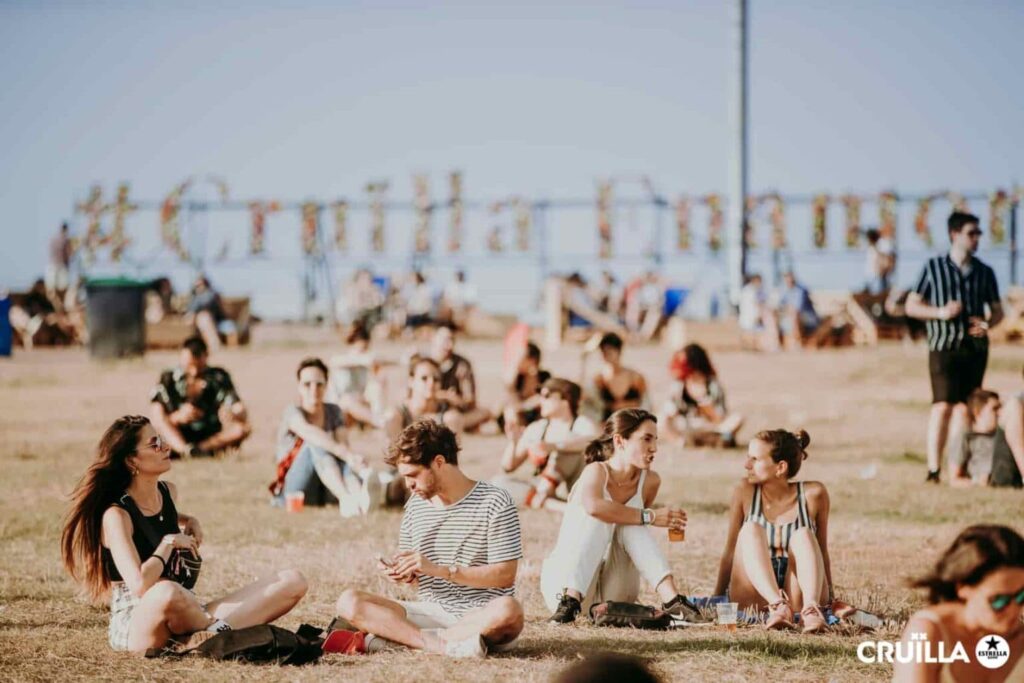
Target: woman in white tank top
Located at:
point(976, 591)
point(603, 548)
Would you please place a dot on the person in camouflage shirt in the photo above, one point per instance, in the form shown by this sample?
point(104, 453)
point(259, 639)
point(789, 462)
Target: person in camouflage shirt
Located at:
point(195, 407)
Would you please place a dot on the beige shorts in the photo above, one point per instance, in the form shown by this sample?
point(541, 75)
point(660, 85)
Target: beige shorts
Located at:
point(431, 615)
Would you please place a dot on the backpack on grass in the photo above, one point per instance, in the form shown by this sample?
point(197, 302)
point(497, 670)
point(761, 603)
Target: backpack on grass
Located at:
point(629, 615)
point(264, 643)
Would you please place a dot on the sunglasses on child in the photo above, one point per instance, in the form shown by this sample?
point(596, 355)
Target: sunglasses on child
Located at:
point(1000, 601)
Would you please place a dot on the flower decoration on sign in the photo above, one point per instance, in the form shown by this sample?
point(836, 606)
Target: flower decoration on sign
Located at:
point(258, 212)
point(377, 190)
point(851, 210)
point(223, 192)
point(683, 223)
point(716, 220)
point(924, 207)
point(455, 206)
point(495, 243)
point(340, 208)
point(118, 238)
point(310, 227)
point(750, 220)
point(819, 218)
point(777, 216)
point(888, 202)
point(92, 208)
point(170, 229)
point(957, 201)
point(522, 219)
point(604, 218)
point(421, 202)
point(998, 202)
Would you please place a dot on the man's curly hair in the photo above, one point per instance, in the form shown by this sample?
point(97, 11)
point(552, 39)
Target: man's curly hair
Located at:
point(421, 442)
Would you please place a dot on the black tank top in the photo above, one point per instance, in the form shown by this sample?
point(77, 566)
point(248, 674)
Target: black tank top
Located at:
point(164, 522)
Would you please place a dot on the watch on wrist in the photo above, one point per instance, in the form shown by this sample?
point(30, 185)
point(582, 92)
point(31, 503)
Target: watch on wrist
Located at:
point(647, 516)
point(453, 569)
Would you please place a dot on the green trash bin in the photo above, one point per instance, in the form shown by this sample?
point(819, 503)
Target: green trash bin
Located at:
point(115, 311)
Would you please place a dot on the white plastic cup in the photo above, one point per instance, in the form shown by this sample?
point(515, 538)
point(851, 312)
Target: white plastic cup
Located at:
point(727, 612)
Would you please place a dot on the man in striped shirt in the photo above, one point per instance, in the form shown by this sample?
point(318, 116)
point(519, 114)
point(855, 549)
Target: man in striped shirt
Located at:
point(958, 298)
point(459, 544)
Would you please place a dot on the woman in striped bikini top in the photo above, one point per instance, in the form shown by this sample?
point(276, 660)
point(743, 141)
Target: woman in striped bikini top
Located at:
point(769, 562)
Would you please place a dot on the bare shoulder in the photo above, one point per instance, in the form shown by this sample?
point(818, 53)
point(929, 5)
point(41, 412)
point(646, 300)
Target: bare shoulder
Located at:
point(653, 479)
point(116, 520)
point(593, 472)
point(172, 489)
point(815, 490)
point(924, 621)
point(117, 516)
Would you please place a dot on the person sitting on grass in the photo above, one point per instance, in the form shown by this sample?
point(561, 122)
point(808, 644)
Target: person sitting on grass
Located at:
point(522, 391)
point(313, 456)
point(124, 536)
point(617, 386)
point(206, 311)
point(195, 407)
point(975, 591)
point(356, 383)
point(697, 412)
point(782, 565)
point(981, 456)
point(603, 545)
point(459, 544)
point(458, 386)
point(422, 400)
point(553, 445)
point(798, 320)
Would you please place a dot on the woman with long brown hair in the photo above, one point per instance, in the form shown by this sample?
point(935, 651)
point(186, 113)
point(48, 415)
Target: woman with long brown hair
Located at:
point(124, 536)
point(975, 591)
point(603, 546)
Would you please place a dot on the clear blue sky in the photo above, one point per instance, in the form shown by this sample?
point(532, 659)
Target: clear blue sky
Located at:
point(313, 99)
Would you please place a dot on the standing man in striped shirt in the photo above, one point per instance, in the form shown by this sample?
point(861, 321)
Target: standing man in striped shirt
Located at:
point(459, 544)
point(958, 298)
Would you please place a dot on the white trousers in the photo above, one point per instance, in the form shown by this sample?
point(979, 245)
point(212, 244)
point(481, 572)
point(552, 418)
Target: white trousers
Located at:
point(600, 560)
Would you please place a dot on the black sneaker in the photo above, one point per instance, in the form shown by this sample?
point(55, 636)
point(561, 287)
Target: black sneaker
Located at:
point(933, 477)
point(568, 609)
point(684, 612)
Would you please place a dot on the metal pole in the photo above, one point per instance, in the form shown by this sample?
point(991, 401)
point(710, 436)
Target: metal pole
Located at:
point(1013, 243)
point(735, 239)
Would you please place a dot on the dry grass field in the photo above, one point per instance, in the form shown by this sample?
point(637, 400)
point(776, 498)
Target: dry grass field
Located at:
point(862, 407)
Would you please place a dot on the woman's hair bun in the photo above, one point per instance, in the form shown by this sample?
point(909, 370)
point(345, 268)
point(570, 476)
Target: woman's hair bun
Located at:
point(804, 439)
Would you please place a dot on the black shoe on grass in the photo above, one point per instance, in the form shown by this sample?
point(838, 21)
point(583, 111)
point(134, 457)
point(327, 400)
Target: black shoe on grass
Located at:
point(568, 609)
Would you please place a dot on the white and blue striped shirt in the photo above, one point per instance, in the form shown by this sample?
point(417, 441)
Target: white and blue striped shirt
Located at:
point(480, 529)
point(942, 281)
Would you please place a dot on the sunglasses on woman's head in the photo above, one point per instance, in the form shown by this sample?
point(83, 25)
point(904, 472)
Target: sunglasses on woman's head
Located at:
point(1000, 601)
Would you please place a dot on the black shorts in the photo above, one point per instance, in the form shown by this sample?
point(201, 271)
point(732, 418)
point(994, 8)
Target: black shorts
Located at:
point(955, 374)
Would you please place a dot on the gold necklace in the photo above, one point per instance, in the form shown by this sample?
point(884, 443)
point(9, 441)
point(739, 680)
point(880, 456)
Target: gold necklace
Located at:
point(628, 482)
point(159, 510)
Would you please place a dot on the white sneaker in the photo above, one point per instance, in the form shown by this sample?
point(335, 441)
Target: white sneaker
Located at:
point(349, 507)
point(471, 648)
point(371, 495)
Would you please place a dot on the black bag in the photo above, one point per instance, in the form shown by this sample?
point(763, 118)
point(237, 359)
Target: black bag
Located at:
point(629, 615)
point(256, 644)
point(184, 565)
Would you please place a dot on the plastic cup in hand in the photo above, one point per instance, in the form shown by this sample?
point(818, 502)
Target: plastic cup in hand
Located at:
point(727, 615)
point(294, 501)
point(676, 535)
